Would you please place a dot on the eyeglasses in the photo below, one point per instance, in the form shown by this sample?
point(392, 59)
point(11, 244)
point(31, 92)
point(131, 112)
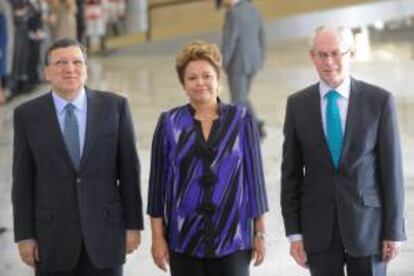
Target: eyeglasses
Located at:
point(336, 54)
point(62, 63)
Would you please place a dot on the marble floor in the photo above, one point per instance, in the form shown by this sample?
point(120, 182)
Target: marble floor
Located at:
point(149, 81)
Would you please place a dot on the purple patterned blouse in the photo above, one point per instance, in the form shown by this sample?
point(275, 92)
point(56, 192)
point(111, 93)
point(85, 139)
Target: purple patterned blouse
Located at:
point(208, 192)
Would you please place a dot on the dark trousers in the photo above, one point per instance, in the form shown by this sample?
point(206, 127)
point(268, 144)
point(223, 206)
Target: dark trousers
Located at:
point(333, 261)
point(84, 267)
point(240, 85)
point(236, 264)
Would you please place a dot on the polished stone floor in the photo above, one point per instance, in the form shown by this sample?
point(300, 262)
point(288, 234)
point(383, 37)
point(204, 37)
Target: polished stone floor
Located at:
point(150, 83)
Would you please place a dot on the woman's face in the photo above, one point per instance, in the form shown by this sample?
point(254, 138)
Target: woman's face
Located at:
point(201, 82)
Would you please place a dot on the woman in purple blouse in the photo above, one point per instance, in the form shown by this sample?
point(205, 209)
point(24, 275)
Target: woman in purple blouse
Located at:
point(207, 194)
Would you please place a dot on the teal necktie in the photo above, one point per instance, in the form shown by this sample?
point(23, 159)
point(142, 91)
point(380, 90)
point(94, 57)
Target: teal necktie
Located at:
point(71, 134)
point(333, 126)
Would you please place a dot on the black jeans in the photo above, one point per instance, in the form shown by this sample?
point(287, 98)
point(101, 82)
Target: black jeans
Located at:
point(236, 264)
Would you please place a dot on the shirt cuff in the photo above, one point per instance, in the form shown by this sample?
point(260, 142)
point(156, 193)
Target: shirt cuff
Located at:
point(295, 237)
point(27, 240)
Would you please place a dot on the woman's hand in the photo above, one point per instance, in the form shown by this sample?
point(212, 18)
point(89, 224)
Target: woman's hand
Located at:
point(159, 247)
point(259, 250)
point(160, 254)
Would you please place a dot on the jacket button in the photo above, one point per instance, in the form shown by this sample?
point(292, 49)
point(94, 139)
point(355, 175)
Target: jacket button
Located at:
point(78, 180)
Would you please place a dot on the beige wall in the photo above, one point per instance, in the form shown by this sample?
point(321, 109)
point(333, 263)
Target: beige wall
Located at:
point(197, 17)
point(273, 9)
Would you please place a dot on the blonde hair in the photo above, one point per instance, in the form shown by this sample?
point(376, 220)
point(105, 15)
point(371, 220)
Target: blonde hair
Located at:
point(198, 50)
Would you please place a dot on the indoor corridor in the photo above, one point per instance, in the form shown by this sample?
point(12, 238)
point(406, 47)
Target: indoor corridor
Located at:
point(148, 80)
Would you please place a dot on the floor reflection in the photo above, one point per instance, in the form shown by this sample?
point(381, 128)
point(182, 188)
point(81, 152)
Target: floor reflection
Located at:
point(151, 85)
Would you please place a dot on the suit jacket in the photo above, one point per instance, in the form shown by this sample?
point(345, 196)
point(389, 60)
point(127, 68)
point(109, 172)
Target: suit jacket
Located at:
point(59, 206)
point(243, 44)
point(365, 195)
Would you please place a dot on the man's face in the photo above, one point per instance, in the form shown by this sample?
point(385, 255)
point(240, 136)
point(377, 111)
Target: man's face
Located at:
point(66, 71)
point(331, 58)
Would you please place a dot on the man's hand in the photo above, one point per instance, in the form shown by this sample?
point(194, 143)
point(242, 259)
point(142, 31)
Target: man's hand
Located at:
point(259, 250)
point(390, 250)
point(29, 252)
point(133, 240)
point(297, 251)
point(160, 254)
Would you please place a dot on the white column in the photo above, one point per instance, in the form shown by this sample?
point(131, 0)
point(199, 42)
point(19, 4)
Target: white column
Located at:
point(137, 18)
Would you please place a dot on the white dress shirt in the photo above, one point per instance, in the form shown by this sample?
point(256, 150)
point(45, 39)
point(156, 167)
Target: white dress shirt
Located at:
point(344, 90)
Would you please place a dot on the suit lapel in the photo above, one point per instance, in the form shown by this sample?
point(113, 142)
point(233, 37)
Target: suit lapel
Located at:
point(352, 119)
point(94, 119)
point(316, 120)
point(48, 118)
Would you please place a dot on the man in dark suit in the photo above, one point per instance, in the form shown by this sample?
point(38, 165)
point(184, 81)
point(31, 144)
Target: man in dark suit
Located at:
point(76, 195)
point(342, 193)
point(243, 48)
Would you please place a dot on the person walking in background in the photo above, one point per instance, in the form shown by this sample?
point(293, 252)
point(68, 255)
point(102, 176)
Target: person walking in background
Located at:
point(62, 19)
point(342, 193)
point(6, 47)
point(80, 20)
point(115, 19)
point(23, 14)
point(207, 195)
point(3, 55)
point(36, 38)
point(95, 24)
point(44, 8)
point(76, 177)
point(27, 41)
point(243, 48)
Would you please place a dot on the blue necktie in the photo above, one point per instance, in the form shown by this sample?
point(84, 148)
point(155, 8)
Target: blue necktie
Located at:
point(71, 134)
point(333, 126)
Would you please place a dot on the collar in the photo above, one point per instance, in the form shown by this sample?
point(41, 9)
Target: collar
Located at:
point(219, 108)
point(344, 89)
point(78, 102)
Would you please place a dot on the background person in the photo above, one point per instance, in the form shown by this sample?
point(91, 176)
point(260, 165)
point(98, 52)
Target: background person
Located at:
point(243, 48)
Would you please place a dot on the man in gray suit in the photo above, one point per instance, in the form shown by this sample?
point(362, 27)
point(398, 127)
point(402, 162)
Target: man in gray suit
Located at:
point(76, 195)
point(243, 49)
point(342, 193)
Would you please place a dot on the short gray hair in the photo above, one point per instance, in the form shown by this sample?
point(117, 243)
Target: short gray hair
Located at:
point(345, 34)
